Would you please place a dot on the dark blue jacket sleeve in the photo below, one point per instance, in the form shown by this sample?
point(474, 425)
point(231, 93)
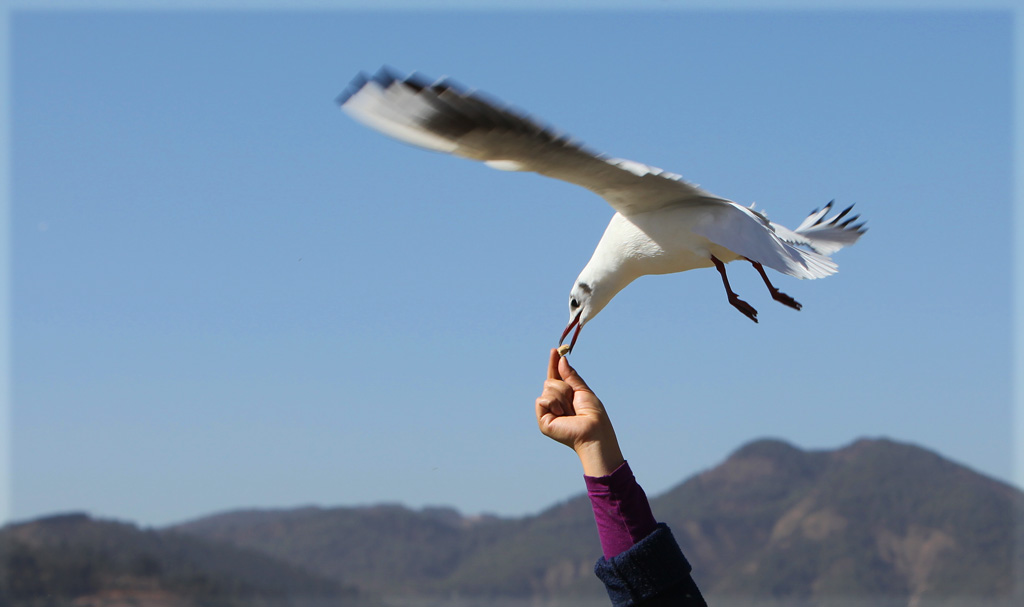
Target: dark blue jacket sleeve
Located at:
point(653, 573)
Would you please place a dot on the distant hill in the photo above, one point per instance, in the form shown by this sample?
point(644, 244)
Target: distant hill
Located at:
point(874, 519)
point(386, 548)
point(74, 559)
point(877, 520)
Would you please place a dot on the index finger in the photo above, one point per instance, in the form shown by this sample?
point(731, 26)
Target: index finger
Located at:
point(553, 365)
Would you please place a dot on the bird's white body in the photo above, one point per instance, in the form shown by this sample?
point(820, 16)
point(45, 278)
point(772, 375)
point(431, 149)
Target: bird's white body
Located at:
point(643, 244)
point(662, 224)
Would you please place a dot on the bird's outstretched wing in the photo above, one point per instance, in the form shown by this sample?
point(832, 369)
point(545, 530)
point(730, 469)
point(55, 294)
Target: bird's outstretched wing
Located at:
point(822, 234)
point(447, 118)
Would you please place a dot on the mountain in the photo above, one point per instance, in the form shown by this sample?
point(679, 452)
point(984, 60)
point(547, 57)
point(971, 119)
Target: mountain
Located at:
point(877, 521)
point(386, 547)
point(876, 518)
point(74, 559)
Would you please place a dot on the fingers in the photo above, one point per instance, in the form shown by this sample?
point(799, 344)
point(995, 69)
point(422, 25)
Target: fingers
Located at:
point(556, 399)
point(553, 364)
point(570, 376)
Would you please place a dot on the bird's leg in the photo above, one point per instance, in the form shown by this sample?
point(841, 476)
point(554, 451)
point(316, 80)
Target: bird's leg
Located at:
point(747, 309)
point(777, 295)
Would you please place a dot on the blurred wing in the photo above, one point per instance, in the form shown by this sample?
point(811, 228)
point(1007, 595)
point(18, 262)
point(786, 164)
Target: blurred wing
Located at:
point(443, 117)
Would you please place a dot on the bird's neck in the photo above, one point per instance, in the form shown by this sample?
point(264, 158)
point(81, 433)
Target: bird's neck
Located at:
point(606, 278)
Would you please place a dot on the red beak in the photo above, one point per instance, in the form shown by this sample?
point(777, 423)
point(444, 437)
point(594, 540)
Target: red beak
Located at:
point(574, 323)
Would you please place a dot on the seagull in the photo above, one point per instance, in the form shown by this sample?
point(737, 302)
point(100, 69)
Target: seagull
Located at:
point(662, 224)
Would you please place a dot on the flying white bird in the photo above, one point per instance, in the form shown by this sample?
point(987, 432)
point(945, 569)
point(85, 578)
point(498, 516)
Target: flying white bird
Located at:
point(662, 224)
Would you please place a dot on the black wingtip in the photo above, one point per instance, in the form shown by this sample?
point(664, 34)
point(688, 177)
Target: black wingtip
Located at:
point(447, 83)
point(353, 87)
point(386, 76)
point(849, 220)
point(835, 220)
point(417, 81)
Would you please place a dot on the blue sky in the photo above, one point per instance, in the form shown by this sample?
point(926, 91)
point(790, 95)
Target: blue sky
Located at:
point(225, 293)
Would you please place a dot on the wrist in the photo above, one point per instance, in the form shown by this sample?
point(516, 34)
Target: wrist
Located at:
point(600, 457)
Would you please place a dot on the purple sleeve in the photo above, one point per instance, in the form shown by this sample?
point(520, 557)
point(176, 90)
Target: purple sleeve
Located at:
point(621, 510)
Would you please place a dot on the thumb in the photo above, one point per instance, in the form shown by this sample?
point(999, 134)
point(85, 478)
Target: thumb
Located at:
point(571, 377)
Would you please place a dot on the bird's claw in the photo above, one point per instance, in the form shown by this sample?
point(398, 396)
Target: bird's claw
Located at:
point(747, 309)
point(784, 299)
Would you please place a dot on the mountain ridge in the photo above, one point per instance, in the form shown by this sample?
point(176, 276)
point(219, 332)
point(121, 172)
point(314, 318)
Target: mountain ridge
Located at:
point(71, 558)
point(873, 519)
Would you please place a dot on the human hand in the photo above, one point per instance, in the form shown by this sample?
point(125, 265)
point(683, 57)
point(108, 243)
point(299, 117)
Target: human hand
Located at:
point(569, 412)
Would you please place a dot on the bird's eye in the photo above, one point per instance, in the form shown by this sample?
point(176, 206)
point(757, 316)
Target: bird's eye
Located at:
point(573, 303)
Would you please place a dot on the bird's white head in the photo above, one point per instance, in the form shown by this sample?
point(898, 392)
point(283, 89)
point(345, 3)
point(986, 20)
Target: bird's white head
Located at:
point(604, 275)
point(581, 310)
